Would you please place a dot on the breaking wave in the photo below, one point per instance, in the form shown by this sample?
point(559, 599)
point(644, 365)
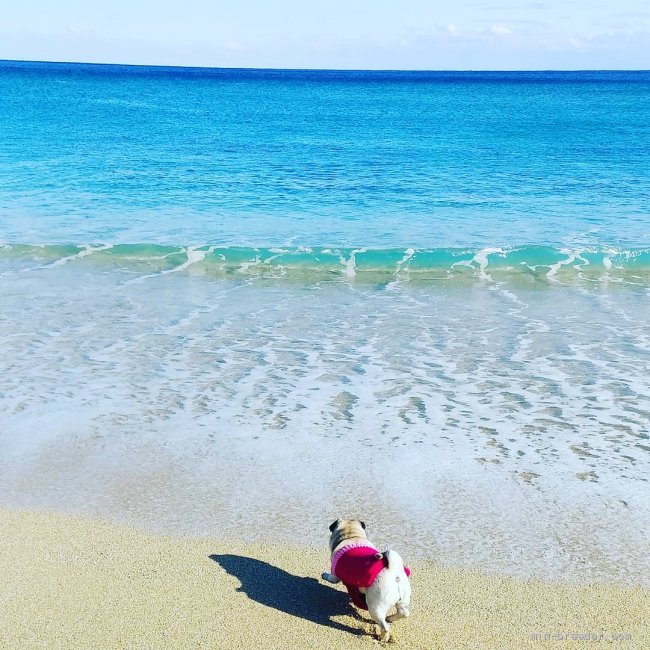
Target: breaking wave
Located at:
point(312, 264)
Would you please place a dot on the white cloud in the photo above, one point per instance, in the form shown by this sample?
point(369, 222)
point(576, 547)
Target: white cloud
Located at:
point(500, 30)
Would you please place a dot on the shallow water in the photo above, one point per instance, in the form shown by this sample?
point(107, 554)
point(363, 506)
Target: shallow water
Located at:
point(489, 420)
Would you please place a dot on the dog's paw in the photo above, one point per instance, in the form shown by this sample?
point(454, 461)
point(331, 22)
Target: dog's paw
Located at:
point(382, 639)
point(328, 577)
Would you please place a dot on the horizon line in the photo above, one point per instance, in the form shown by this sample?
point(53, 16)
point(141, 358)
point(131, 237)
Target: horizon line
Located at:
point(272, 69)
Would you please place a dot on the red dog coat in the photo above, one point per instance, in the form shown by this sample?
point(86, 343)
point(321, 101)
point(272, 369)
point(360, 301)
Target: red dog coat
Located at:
point(357, 566)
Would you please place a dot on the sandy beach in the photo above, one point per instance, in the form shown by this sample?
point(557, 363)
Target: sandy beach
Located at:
point(77, 583)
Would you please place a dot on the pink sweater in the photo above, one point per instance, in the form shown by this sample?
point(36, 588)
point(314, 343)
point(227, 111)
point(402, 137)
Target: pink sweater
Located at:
point(357, 566)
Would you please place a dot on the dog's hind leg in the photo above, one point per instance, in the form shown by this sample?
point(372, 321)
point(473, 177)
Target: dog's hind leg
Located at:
point(402, 612)
point(378, 613)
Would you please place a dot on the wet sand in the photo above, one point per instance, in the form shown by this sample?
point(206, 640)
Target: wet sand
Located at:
point(73, 583)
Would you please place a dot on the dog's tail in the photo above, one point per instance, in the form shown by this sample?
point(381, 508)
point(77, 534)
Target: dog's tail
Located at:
point(394, 562)
point(395, 566)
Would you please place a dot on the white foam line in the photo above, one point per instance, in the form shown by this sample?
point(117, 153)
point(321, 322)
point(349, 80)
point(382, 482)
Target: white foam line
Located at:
point(278, 267)
point(151, 257)
point(554, 268)
point(87, 250)
point(467, 263)
point(510, 295)
point(268, 260)
point(584, 260)
point(579, 267)
point(481, 258)
point(407, 256)
point(193, 256)
point(244, 266)
point(350, 264)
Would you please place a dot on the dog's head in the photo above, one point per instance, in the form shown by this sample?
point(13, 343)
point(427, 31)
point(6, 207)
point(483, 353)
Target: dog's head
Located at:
point(344, 529)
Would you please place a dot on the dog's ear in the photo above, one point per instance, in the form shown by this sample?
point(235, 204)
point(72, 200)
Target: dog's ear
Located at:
point(363, 524)
point(333, 525)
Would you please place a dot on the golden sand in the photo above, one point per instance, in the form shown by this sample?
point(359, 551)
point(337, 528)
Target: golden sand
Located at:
point(72, 583)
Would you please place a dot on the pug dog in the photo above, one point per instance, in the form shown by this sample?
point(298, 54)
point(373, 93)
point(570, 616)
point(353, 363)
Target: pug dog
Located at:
point(375, 581)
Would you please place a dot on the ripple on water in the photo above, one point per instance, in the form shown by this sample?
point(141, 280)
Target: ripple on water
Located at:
point(283, 389)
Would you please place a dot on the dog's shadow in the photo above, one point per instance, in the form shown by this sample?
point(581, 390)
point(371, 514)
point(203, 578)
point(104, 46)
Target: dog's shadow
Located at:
point(305, 598)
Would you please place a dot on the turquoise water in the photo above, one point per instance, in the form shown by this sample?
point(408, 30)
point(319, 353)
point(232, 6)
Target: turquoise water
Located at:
point(531, 265)
point(418, 297)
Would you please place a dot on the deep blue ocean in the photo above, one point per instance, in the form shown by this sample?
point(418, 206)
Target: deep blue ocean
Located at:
point(119, 154)
point(231, 288)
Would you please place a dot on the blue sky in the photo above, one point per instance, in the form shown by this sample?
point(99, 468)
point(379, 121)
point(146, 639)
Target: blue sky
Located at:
point(358, 34)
